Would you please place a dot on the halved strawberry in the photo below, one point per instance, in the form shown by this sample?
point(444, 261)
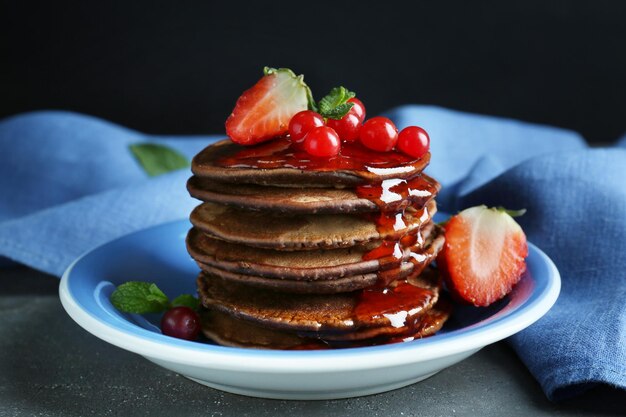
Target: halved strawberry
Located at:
point(263, 112)
point(484, 255)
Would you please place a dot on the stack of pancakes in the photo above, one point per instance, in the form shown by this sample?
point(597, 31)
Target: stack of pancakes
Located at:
point(295, 258)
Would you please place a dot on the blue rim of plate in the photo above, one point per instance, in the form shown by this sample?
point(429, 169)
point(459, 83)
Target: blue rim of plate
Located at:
point(539, 293)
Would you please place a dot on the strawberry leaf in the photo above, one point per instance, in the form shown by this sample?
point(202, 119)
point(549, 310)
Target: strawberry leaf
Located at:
point(512, 213)
point(311, 100)
point(270, 71)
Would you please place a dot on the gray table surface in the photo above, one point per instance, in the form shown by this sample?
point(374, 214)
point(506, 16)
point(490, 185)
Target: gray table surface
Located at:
point(49, 366)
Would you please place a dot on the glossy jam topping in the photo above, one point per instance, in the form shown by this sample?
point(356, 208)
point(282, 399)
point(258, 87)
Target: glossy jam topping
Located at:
point(395, 195)
point(389, 250)
point(395, 299)
point(416, 328)
point(282, 153)
point(401, 304)
point(396, 303)
point(399, 249)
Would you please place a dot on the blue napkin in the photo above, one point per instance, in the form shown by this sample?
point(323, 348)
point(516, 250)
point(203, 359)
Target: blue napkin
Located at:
point(69, 183)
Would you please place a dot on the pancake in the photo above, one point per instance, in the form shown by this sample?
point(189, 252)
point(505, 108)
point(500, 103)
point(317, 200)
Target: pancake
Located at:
point(298, 252)
point(305, 265)
point(272, 230)
point(226, 330)
point(425, 324)
point(302, 200)
point(230, 331)
point(323, 314)
point(326, 286)
point(415, 262)
point(228, 162)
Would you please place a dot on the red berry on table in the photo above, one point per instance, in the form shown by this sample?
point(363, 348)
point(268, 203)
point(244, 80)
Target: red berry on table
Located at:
point(322, 141)
point(358, 108)
point(379, 134)
point(181, 322)
point(414, 141)
point(302, 122)
point(347, 127)
point(483, 256)
point(263, 112)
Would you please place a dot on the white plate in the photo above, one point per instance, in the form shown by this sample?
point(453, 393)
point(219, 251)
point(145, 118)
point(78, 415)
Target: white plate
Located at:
point(158, 255)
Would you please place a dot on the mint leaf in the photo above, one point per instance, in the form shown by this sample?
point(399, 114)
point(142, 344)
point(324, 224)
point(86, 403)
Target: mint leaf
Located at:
point(334, 105)
point(339, 111)
point(186, 300)
point(158, 159)
point(139, 297)
point(155, 294)
point(335, 97)
point(349, 94)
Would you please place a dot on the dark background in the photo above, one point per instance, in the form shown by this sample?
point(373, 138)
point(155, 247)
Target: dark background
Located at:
point(178, 67)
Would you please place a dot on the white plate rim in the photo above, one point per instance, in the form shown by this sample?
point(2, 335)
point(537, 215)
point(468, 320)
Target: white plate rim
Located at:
point(253, 360)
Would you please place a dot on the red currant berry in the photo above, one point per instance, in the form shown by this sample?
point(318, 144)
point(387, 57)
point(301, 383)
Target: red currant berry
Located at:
point(347, 127)
point(379, 134)
point(322, 141)
point(302, 122)
point(181, 322)
point(414, 141)
point(358, 108)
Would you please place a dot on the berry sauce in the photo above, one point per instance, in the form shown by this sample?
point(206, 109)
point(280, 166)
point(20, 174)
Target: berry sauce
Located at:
point(395, 299)
point(283, 153)
point(396, 302)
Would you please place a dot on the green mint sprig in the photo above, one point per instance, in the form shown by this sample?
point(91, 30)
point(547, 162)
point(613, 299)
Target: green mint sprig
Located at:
point(335, 104)
point(158, 159)
point(144, 297)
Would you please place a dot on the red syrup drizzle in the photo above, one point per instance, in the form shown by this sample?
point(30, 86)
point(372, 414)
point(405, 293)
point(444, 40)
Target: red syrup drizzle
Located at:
point(395, 197)
point(395, 302)
point(395, 299)
point(282, 153)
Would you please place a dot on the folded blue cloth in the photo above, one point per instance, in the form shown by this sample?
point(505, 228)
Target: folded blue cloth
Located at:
point(69, 183)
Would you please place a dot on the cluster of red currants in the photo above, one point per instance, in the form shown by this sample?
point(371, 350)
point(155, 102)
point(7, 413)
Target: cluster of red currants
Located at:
point(323, 139)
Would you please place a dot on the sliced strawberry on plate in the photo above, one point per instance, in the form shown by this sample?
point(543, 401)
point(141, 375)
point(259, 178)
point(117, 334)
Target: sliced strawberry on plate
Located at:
point(484, 255)
point(263, 112)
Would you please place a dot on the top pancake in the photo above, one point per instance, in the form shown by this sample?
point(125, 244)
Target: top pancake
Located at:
point(228, 162)
point(304, 200)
